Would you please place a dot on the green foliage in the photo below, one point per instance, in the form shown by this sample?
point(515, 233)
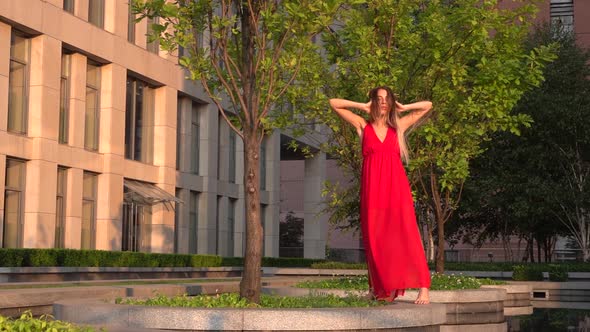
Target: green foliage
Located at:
point(26, 323)
point(527, 273)
point(339, 265)
point(289, 262)
point(558, 272)
point(360, 283)
point(286, 75)
point(469, 59)
point(532, 186)
point(233, 300)
point(100, 258)
point(438, 282)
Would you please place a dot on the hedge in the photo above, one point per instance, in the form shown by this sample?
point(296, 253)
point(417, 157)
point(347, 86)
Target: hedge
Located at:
point(101, 258)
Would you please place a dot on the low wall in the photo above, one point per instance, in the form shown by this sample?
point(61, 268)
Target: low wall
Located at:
point(58, 274)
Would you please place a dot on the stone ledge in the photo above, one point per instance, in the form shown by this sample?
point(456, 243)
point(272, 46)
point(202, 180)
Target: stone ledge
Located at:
point(459, 296)
point(66, 269)
point(398, 315)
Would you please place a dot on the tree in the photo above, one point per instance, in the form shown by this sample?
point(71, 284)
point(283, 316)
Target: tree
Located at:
point(251, 57)
point(536, 183)
point(466, 56)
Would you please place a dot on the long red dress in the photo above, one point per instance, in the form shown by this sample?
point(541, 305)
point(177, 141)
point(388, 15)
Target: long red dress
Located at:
point(393, 249)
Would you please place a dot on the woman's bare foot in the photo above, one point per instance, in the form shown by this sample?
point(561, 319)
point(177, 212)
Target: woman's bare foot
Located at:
point(423, 296)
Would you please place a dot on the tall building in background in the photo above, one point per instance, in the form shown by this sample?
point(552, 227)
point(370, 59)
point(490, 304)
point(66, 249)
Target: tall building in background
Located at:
point(105, 145)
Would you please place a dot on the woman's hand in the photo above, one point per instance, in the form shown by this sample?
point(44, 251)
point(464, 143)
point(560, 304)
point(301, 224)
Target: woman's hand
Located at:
point(399, 107)
point(367, 107)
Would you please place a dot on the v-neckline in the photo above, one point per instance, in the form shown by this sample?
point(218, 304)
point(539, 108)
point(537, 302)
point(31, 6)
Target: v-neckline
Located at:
point(376, 135)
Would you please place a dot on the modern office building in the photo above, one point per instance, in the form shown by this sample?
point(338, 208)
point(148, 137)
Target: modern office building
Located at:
point(105, 145)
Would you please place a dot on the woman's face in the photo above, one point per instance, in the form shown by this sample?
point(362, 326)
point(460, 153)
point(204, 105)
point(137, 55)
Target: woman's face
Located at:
point(384, 107)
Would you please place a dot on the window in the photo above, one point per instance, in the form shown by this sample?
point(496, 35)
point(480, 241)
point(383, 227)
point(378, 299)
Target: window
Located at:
point(231, 228)
point(130, 23)
point(96, 12)
point(152, 44)
point(193, 222)
point(139, 121)
point(13, 203)
point(263, 165)
point(232, 156)
point(60, 207)
point(195, 141)
point(92, 117)
point(89, 190)
point(69, 6)
point(562, 14)
point(64, 99)
point(18, 82)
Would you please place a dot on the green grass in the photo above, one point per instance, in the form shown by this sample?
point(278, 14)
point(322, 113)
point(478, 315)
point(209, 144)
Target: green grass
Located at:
point(117, 283)
point(26, 323)
point(439, 282)
point(233, 300)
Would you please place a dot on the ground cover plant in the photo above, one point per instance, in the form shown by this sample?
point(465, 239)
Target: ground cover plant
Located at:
point(439, 282)
point(233, 300)
point(26, 322)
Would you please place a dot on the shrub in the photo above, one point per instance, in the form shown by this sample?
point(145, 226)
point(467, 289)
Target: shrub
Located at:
point(339, 266)
point(558, 272)
point(527, 273)
point(26, 322)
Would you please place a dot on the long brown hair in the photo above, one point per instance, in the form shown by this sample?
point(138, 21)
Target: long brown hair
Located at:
point(392, 117)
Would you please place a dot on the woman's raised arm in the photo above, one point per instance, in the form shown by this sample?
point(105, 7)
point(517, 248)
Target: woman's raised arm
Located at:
point(341, 106)
point(418, 110)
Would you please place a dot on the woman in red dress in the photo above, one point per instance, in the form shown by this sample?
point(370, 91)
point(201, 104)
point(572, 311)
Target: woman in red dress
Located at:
point(393, 248)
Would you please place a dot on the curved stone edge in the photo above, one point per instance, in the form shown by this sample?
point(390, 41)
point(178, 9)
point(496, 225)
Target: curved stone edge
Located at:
point(518, 311)
point(459, 296)
point(511, 288)
point(494, 327)
point(101, 313)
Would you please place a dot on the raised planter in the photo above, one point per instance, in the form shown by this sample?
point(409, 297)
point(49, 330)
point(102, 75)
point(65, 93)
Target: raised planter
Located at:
point(518, 298)
point(396, 317)
point(469, 306)
point(477, 307)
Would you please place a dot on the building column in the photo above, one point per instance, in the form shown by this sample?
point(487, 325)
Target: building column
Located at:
point(208, 167)
point(115, 17)
point(273, 188)
point(314, 229)
point(183, 214)
point(2, 187)
point(5, 31)
point(222, 226)
point(77, 100)
point(162, 230)
point(43, 126)
point(112, 146)
point(73, 227)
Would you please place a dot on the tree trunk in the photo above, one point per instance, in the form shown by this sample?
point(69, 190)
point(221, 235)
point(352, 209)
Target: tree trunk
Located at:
point(250, 286)
point(431, 249)
point(440, 253)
